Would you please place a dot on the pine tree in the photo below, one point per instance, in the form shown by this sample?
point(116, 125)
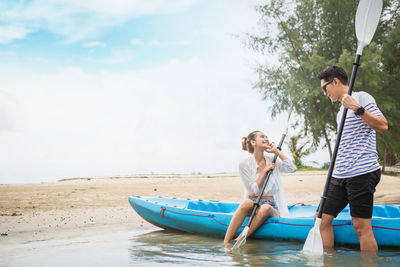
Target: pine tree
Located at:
point(309, 35)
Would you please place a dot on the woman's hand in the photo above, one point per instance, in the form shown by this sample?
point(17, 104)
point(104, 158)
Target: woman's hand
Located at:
point(272, 148)
point(263, 169)
point(270, 166)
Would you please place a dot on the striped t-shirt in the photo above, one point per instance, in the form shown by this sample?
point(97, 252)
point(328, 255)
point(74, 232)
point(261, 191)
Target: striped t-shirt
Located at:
point(357, 150)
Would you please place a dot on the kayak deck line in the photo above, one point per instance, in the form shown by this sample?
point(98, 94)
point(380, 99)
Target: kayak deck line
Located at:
point(163, 209)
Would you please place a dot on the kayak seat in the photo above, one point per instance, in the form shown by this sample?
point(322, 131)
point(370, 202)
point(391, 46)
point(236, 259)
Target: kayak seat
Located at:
point(379, 212)
point(386, 211)
point(212, 206)
point(197, 205)
point(393, 211)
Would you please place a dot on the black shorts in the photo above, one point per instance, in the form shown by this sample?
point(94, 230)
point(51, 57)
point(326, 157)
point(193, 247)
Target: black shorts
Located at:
point(357, 191)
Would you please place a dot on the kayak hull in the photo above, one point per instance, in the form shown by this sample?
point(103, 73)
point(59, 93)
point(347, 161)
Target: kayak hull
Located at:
point(212, 218)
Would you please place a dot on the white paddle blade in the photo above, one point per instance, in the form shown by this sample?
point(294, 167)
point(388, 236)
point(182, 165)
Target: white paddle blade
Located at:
point(241, 240)
point(313, 242)
point(367, 19)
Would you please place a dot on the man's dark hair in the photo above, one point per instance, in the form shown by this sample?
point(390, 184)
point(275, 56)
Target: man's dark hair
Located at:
point(333, 72)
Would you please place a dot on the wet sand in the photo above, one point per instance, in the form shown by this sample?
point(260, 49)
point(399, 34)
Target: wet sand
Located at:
point(83, 206)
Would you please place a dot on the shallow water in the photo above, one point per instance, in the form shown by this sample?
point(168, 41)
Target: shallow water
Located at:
point(176, 249)
point(164, 248)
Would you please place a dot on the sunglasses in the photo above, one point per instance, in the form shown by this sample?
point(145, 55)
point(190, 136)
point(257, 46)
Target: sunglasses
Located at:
point(325, 85)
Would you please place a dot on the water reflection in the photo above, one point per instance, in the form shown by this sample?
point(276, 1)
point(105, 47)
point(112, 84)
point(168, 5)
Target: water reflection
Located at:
point(176, 248)
point(164, 247)
point(368, 258)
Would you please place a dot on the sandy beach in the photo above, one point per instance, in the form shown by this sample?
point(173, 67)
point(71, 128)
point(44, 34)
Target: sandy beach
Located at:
point(82, 206)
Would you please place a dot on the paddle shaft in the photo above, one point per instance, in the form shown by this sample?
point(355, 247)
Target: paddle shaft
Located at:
point(339, 136)
point(264, 185)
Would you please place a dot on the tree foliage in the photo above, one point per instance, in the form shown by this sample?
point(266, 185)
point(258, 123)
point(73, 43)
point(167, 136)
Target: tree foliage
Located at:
point(307, 36)
point(298, 150)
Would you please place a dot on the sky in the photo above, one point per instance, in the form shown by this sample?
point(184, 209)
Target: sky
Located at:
point(122, 87)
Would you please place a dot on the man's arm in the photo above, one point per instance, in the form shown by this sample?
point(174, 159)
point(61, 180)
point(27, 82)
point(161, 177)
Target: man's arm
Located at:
point(376, 122)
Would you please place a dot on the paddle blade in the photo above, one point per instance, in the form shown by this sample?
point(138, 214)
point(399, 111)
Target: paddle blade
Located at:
point(367, 19)
point(241, 240)
point(313, 242)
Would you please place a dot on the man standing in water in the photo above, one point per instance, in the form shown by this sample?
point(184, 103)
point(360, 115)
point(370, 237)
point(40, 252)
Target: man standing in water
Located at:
point(357, 171)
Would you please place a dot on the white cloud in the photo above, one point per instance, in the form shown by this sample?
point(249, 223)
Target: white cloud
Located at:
point(169, 43)
point(180, 117)
point(117, 56)
point(7, 53)
point(39, 59)
point(77, 20)
point(8, 33)
point(161, 43)
point(94, 44)
point(8, 112)
point(136, 42)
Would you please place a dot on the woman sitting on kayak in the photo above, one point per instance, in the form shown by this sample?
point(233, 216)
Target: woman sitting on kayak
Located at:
point(253, 171)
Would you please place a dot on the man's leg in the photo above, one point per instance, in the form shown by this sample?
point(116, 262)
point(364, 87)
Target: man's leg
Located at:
point(361, 197)
point(326, 230)
point(364, 231)
point(335, 202)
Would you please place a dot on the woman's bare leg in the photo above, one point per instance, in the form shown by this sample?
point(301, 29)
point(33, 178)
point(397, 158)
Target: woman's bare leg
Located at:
point(264, 212)
point(238, 217)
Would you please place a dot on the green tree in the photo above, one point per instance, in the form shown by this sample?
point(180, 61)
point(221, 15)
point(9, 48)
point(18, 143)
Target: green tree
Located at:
point(390, 142)
point(307, 36)
point(298, 150)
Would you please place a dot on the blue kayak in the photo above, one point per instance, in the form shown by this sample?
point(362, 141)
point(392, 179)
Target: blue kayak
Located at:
point(212, 218)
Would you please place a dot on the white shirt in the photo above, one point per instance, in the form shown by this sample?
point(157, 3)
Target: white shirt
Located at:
point(248, 174)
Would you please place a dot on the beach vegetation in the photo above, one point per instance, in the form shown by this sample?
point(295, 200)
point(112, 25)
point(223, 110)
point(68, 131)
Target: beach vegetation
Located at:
point(307, 36)
point(299, 148)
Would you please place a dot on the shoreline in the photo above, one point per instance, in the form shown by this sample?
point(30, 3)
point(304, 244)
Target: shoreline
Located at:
point(84, 206)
